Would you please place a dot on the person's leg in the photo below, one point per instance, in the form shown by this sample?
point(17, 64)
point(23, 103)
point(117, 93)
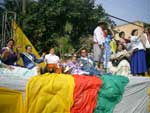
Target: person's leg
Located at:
point(148, 61)
point(97, 53)
point(101, 55)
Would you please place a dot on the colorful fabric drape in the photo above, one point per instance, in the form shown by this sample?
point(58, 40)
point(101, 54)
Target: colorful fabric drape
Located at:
point(110, 93)
point(42, 93)
point(62, 93)
point(85, 93)
point(149, 99)
point(49, 93)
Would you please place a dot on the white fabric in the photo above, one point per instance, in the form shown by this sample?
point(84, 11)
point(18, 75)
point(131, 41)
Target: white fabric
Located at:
point(119, 54)
point(147, 45)
point(136, 43)
point(19, 71)
point(14, 82)
point(51, 59)
point(16, 79)
point(135, 97)
point(98, 35)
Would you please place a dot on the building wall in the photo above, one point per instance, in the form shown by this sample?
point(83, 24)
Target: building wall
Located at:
point(127, 28)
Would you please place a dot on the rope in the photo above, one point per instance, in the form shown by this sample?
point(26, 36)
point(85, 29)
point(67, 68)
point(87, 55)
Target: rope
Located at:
point(123, 20)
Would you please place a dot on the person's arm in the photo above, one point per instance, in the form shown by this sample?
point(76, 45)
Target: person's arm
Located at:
point(92, 61)
point(18, 52)
point(37, 60)
point(2, 65)
point(4, 54)
point(43, 55)
point(59, 62)
point(45, 59)
point(113, 56)
point(143, 40)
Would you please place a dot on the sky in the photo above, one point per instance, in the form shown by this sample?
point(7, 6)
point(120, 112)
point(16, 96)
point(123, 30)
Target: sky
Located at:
point(130, 10)
point(1, 1)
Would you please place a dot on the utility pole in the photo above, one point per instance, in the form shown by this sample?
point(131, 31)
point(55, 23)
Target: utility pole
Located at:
point(123, 20)
point(7, 32)
point(24, 3)
point(24, 9)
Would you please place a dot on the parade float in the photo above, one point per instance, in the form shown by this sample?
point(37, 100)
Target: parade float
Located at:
point(63, 93)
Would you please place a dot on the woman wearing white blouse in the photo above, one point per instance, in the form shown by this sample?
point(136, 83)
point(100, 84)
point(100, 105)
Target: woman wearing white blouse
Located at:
point(146, 43)
point(138, 61)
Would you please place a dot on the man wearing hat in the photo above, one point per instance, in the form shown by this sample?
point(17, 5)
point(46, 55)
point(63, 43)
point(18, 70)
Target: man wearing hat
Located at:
point(98, 41)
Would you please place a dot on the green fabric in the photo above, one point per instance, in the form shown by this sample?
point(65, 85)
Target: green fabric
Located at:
point(110, 93)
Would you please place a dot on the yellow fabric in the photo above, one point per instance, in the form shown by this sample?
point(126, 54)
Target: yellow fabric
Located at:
point(50, 93)
point(10, 101)
point(113, 46)
point(149, 99)
point(22, 40)
point(147, 75)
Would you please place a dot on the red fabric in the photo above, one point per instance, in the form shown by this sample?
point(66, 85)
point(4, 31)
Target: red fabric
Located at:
point(55, 67)
point(104, 34)
point(85, 93)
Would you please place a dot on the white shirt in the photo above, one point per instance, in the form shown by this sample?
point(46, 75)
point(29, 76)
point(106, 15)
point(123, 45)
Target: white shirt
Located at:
point(98, 35)
point(147, 45)
point(136, 43)
point(51, 59)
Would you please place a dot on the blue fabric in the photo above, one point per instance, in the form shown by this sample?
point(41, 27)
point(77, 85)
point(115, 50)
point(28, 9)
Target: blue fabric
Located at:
point(28, 63)
point(138, 62)
point(89, 67)
point(107, 51)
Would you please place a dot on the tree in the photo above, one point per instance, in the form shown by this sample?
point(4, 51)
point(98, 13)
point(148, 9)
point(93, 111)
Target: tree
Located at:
point(59, 22)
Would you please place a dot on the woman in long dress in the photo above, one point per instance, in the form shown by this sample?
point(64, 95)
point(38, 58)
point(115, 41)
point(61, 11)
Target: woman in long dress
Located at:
point(138, 60)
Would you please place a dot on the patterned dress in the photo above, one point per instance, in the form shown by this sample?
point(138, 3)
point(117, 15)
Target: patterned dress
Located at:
point(74, 68)
point(107, 51)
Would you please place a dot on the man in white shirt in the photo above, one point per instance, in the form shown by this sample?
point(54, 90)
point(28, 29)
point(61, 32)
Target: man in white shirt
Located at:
point(98, 41)
point(52, 61)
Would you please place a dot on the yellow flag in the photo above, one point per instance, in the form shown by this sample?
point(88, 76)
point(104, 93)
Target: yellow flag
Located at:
point(113, 46)
point(22, 40)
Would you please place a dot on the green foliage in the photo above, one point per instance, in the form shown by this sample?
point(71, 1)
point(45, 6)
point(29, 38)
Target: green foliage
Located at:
point(60, 23)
